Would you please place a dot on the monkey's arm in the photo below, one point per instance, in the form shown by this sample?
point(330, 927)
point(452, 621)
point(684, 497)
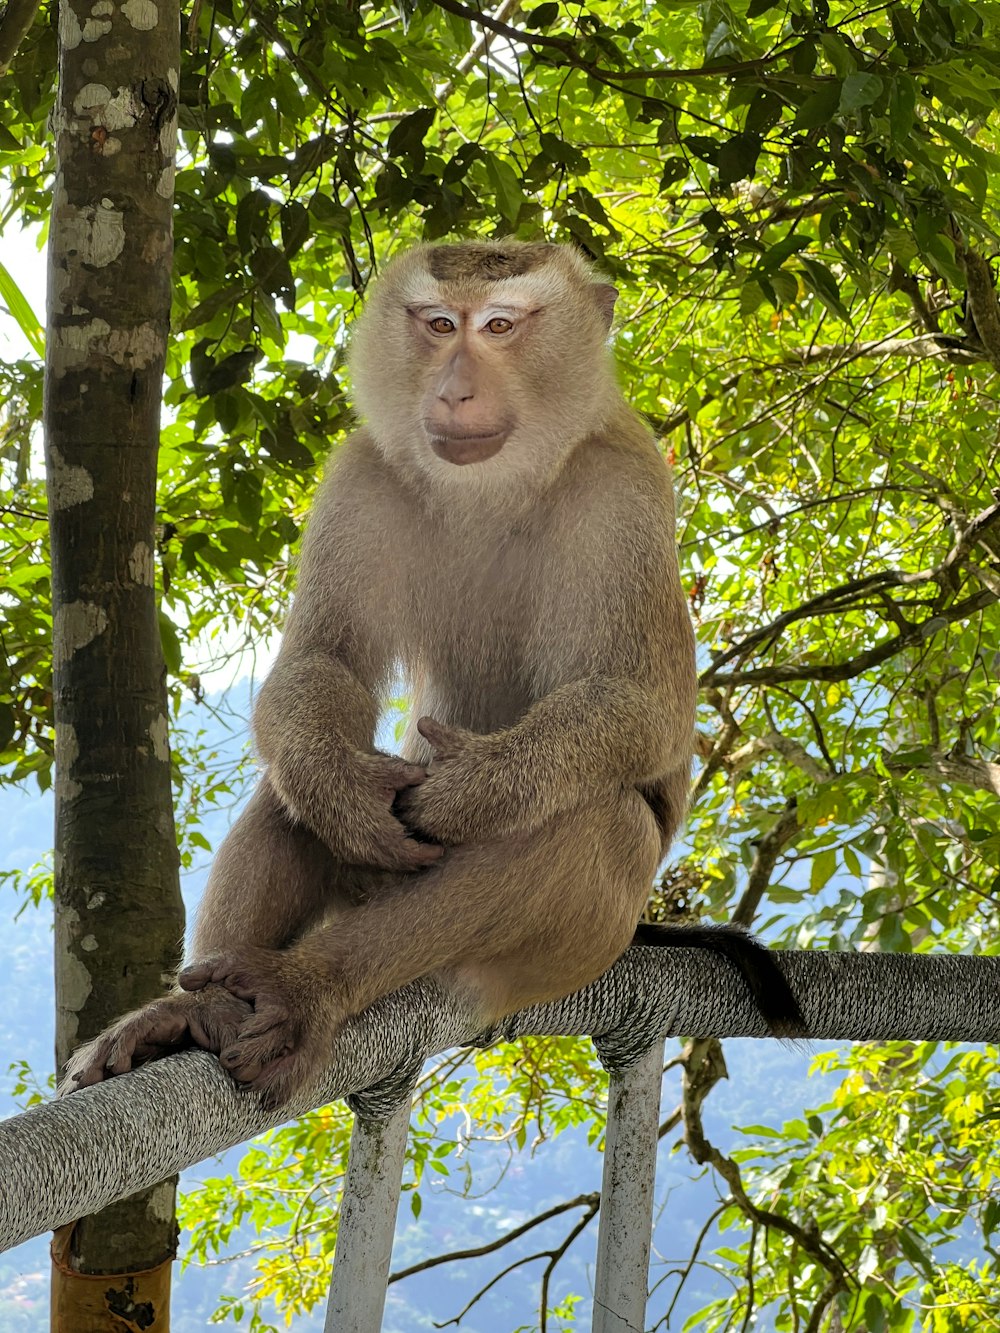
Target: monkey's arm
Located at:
point(592, 736)
point(315, 715)
point(314, 723)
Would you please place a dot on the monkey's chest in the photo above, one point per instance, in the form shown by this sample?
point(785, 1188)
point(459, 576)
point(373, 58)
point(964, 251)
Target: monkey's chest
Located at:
point(471, 656)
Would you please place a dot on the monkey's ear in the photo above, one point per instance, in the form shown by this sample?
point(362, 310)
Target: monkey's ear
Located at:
point(605, 295)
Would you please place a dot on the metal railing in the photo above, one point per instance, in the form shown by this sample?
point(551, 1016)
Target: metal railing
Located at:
point(69, 1158)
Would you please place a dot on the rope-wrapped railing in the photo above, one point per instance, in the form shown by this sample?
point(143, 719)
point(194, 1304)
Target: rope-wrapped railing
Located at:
point(69, 1158)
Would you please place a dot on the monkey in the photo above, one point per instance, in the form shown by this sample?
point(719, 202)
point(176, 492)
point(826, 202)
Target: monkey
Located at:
point(500, 528)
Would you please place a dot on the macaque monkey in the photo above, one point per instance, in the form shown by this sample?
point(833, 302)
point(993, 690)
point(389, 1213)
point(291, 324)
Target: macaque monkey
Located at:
point(501, 529)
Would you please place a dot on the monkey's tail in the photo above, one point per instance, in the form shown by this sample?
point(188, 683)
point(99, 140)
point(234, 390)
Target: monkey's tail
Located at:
point(771, 992)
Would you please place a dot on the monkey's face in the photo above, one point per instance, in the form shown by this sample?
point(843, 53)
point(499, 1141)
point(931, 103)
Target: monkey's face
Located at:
point(468, 408)
point(484, 363)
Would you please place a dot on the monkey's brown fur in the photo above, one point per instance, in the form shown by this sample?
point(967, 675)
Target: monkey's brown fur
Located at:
point(502, 527)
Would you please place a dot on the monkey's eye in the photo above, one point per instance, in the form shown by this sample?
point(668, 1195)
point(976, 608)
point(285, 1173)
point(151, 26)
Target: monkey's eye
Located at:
point(441, 324)
point(499, 325)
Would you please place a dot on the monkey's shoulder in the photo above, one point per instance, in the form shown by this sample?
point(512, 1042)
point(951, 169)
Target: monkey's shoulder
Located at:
point(359, 489)
point(621, 473)
point(358, 462)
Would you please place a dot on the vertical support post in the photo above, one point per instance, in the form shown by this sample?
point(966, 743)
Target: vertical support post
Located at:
point(367, 1223)
point(626, 1226)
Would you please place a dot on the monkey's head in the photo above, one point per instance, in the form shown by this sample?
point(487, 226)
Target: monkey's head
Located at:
point(484, 363)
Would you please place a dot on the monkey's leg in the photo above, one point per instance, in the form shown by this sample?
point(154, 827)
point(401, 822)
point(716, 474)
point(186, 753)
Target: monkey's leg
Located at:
point(513, 922)
point(271, 880)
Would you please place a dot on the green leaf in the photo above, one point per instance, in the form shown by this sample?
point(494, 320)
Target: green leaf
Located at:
point(407, 139)
point(170, 643)
point(8, 725)
point(824, 863)
point(859, 90)
point(703, 146)
point(839, 54)
point(21, 312)
point(506, 186)
point(541, 17)
point(785, 287)
point(294, 226)
point(874, 1314)
point(737, 158)
point(915, 1251)
point(273, 272)
point(252, 219)
point(751, 298)
point(819, 107)
point(824, 285)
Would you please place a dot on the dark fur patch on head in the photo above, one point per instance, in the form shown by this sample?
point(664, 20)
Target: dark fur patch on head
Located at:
point(469, 260)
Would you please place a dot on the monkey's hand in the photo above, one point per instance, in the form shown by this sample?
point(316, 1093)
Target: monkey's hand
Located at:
point(209, 1020)
point(463, 798)
point(350, 807)
point(288, 1038)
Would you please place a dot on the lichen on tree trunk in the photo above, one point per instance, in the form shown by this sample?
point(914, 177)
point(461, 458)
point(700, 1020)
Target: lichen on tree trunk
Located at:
point(119, 916)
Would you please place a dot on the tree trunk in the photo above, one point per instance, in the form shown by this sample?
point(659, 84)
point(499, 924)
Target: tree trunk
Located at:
point(118, 912)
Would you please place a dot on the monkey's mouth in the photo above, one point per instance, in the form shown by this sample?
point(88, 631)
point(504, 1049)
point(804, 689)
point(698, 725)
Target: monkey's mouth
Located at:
point(462, 449)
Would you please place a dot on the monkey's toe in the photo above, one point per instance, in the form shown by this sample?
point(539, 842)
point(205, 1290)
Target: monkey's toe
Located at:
point(416, 855)
point(87, 1067)
point(249, 1056)
point(281, 1079)
point(196, 976)
point(266, 1017)
point(216, 1025)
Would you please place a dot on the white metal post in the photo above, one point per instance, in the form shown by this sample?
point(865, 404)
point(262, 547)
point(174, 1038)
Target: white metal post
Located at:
point(626, 1225)
point(367, 1223)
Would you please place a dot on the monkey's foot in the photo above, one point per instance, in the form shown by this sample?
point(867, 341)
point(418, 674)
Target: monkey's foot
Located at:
point(209, 1020)
point(287, 1039)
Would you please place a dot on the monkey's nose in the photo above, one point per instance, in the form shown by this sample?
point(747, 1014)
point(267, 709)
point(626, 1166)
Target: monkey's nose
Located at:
point(453, 392)
point(458, 380)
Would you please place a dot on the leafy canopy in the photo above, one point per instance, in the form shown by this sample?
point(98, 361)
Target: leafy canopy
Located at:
point(800, 205)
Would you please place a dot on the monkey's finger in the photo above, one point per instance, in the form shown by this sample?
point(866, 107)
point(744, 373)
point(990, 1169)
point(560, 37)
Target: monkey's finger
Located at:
point(87, 1067)
point(395, 775)
point(119, 1058)
point(216, 1026)
point(241, 982)
point(446, 740)
point(240, 1064)
point(230, 970)
point(144, 1040)
point(86, 1078)
point(415, 855)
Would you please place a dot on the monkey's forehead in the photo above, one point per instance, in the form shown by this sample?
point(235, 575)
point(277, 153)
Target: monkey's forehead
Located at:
point(474, 270)
point(490, 262)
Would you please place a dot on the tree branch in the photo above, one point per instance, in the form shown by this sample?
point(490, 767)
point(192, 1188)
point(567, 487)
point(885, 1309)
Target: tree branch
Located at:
point(856, 666)
point(902, 281)
point(924, 347)
point(591, 1200)
point(982, 299)
point(705, 1152)
point(566, 48)
point(768, 848)
point(845, 595)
